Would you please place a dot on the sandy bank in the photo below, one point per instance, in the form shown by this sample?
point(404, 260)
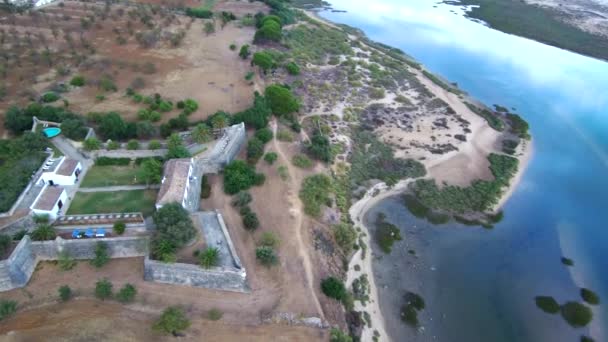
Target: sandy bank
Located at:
point(524, 153)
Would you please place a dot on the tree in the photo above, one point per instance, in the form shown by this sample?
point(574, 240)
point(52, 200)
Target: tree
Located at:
point(103, 289)
point(264, 135)
point(315, 193)
point(74, 129)
point(320, 147)
point(256, 116)
point(77, 81)
point(292, 68)
point(263, 60)
point(66, 262)
point(337, 335)
point(250, 219)
point(176, 148)
point(209, 257)
point(255, 150)
point(270, 31)
point(201, 133)
point(132, 144)
point(220, 120)
point(127, 293)
point(576, 314)
point(270, 157)
point(238, 175)
point(65, 293)
point(154, 145)
point(43, 232)
point(172, 321)
point(241, 199)
point(16, 120)
point(266, 256)
point(145, 130)
point(333, 288)
point(244, 53)
point(91, 144)
point(173, 223)
point(345, 236)
point(112, 126)
point(119, 227)
point(101, 255)
point(281, 100)
point(151, 171)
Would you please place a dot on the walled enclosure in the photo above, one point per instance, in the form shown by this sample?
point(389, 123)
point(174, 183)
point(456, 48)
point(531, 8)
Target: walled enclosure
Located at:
point(17, 270)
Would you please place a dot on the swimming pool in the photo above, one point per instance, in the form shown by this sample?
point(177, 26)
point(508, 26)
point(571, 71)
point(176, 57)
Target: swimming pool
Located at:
point(51, 132)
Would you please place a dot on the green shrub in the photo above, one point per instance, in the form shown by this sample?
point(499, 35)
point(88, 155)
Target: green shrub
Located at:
point(337, 335)
point(119, 227)
point(43, 232)
point(173, 223)
point(126, 294)
point(65, 293)
point(292, 68)
point(281, 100)
point(7, 308)
point(270, 31)
point(255, 150)
point(77, 81)
point(241, 199)
point(238, 175)
point(409, 315)
point(244, 52)
point(414, 300)
point(232, 47)
point(270, 157)
point(106, 83)
point(264, 135)
point(50, 97)
point(132, 144)
point(302, 161)
point(269, 239)
point(103, 289)
point(209, 257)
point(66, 262)
point(333, 288)
point(112, 145)
point(106, 161)
point(283, 172)
point(320, 147)
point(199, 12)
point(576, 314)
point(5, 243)
point(19, 235)
point(215, 314)
point(172, 321)
point(547, 304)
point(101, 255)
point(587, 339)
point(250, 219)
point(91, 144)
point(284, 135)
point(315, 193)
point(376, 93)
point(263, 60)
point(266, 256)
point(590, 297)
point(345, 236)
point(154, 145)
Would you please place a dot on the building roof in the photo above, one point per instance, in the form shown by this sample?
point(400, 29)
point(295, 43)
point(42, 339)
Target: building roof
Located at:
point(175, 180)
point(68, 167)
point(48, 198)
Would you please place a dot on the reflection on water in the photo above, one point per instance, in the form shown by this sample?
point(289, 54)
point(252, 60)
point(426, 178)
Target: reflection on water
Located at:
point(486, 280)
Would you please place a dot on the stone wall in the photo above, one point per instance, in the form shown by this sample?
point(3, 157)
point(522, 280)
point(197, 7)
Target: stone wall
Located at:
point(220, 278)
point(18, 268)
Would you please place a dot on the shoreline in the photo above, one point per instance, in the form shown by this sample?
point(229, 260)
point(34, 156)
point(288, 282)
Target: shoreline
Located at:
point(525, 156)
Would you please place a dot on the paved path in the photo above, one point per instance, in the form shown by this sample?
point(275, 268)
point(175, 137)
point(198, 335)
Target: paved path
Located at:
point(120, 188)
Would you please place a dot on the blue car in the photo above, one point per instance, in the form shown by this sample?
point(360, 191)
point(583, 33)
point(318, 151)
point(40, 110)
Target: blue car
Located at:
point(76, 234)
point(89, 233)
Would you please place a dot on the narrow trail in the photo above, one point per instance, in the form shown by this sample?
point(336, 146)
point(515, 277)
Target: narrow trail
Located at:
point(296, 211)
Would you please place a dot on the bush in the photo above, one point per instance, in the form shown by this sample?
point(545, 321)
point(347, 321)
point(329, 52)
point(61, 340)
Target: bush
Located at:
point(112, 126)
point(126, 294)
point(547, 304)
point(133, 144)
point(241, 199)
point(232, 47)
point(269, 239)
point(281, 100)
point(92, 144)
point(264, 135)
point(337, 335)
point(270, 31)
point(301, 161)
point(333, 288)
point(250, 219)
point(209, 257)
point(266, 256)
point(43, 232)
point(74, 129)
point(5, 243)
point(314, 193)
point(244, 52)
point(205, 187)
point(144, 130)
point(176, 148)
point(292, 68)
point(119, 227)
point(103, 289)
point(65, 293)
point(199, 12)
point(101, 255)
point(106, 161)
point(255, 150)
point(50, 97)
point(66, 262)
point(172, 321)
point(256, 116)
point(320, 147)
point(106, 83)
point(214, 314)
point(409, 315)
point(202, 133)
point(19, 235)
point(284, 135)
point(345, 236)
point(386, 234)
point(590, 297)
point(77, 81)
point(414, 300)
point(270, 157)
point(263, 60)
point(112, 145)
point(576, 314)
point(7, 308)
point(154, 145)
point(238, 176)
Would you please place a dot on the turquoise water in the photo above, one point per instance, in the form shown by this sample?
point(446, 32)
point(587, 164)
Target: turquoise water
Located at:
point(486, 280)
point(51, 132)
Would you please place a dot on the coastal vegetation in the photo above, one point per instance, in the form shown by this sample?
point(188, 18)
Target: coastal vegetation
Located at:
point(409, 311)
point(547, 304)
point(333, 288)
point(315, 193)
point(386, 233)
point(567, 261)
point(542, 24)
point(576, 314)
point(480, 196)
point(442, 84)
point(589, 296)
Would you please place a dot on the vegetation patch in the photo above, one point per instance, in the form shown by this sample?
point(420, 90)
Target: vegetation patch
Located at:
point(547, 304)
point(333, 288)
point(386, 233)
point(590, 297)
point(314, 193)
point(113, 202)
point(576, 314)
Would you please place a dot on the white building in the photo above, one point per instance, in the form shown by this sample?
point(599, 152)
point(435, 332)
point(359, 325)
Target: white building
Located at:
point(50, 201)
point(176, 183)
point(64, 171)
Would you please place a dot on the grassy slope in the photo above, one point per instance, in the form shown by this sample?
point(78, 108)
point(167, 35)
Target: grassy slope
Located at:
point(540, 24)
point(113, 202)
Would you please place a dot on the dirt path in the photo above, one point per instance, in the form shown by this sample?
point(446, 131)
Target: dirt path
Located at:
point(296, 212)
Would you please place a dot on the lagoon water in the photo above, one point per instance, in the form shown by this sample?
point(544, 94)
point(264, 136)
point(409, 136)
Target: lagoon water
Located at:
point(481, 283)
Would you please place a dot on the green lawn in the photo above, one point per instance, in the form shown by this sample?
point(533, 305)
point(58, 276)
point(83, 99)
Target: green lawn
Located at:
point(100, 176)
point(113, 202)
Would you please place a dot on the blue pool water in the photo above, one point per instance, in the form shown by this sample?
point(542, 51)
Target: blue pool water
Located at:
point(51, 132)
point(487, 279)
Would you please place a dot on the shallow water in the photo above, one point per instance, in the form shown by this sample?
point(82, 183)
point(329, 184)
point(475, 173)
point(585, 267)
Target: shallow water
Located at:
point(485, 280)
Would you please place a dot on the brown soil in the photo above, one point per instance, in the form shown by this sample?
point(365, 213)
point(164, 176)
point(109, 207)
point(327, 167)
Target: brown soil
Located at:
point(92, 320)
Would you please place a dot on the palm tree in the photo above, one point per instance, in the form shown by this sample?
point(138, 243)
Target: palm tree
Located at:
point(201, 133)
